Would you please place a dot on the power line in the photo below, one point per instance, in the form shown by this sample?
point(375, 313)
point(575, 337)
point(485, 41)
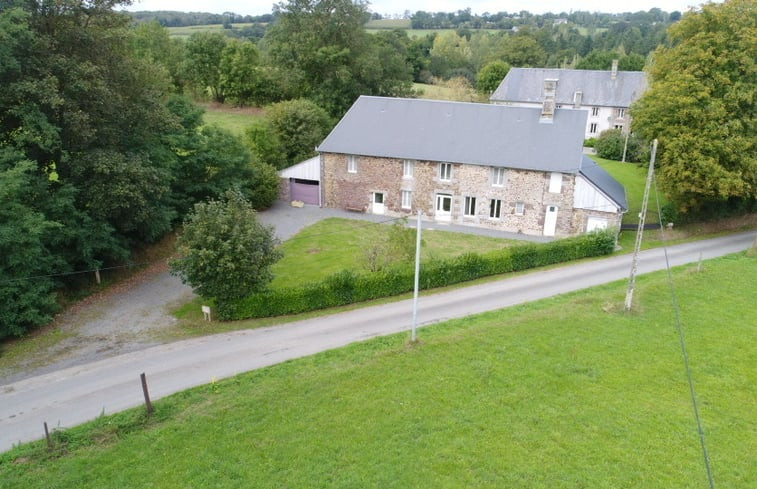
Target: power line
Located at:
point(682, 340)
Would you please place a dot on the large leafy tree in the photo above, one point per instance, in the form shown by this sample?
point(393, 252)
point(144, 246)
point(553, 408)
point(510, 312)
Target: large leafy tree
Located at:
point(701, 107)
point(225, 253)
point(328, 55)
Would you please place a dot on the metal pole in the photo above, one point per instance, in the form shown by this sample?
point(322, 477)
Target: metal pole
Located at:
point(642, 217)
point(417, 273)
point(625, 146)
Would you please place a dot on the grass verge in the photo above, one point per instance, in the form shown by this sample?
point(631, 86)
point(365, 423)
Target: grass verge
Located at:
point(566, 392)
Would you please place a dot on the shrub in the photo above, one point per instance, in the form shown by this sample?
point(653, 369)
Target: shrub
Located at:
point(348, 287)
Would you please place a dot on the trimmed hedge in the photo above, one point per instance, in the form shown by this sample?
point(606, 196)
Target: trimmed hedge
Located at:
point(348, 287)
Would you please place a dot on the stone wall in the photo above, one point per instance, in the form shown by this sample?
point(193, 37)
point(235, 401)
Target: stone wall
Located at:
point(354, 191)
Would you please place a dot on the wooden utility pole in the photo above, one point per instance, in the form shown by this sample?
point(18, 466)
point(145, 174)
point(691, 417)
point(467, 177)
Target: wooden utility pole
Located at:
point(640, 232)
point(417, 274)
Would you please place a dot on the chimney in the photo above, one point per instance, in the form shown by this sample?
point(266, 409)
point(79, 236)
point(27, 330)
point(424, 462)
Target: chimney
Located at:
point(614, 73)
point(577, 98)
point(548, 106)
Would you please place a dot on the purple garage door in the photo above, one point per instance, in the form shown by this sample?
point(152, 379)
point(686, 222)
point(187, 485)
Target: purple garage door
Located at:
point(305, 190)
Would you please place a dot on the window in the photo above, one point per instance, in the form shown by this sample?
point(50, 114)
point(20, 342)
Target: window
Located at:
point(620, 112)
point(519, 208)
point(445, 172)
point(618, 126)
point(470, 206)
point(495, 208)
point(407, 199)
point(595, 111)
point(352, 164)
point(407, 168)
point(555, 182)
point(593, 128)
point(498, 177)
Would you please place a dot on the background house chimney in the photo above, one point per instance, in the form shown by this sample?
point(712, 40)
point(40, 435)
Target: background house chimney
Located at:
point(548, 106)
point(577, 98)
point(614, 73)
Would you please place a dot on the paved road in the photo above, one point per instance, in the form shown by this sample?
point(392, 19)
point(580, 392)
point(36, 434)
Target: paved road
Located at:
point(74, 395)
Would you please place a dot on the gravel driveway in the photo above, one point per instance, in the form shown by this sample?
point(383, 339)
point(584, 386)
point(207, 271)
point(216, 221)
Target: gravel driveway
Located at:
point(127, 316)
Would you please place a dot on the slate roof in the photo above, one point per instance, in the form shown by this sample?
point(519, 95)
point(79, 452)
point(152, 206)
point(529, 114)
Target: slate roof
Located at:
point(457, 132)
point(598, 87)
point(604, 181)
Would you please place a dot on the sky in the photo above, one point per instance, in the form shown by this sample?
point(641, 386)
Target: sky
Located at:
point(391, 7)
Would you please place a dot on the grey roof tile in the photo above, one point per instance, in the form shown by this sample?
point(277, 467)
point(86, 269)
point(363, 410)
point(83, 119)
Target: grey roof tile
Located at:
point(604, 181)
point(597, 86)
point(457, 132)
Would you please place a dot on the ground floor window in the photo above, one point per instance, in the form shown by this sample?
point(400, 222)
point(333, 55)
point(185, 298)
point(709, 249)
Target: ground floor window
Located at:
point(519, 208)
point(470, 206)
point(407, 199)
point(495, 208)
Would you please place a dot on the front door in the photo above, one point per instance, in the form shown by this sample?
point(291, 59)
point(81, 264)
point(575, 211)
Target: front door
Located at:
point(378, 203)
point(443, 207)
point(550, 220)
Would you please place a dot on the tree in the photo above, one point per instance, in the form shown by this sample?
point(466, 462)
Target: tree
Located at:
point(239, 74)
point(224, 252)
point(490, 76)
point(701, 108)
point(610, 145)
point(204, 53)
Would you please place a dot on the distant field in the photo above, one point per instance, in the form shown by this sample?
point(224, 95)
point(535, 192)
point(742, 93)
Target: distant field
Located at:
point(388, 24)
point(184, 32)
point(233, 119)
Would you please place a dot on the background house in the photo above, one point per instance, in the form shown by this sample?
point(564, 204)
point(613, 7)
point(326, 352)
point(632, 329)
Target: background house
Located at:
point(604, 95)
point(515, 169)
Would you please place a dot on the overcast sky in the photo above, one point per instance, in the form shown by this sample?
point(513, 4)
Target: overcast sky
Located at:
point(390, 7)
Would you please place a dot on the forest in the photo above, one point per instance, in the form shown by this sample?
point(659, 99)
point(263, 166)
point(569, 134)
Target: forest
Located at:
point(103, 149)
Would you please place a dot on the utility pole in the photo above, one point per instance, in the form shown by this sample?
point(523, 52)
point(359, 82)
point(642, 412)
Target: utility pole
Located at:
point(642, 218)
point(417, 274)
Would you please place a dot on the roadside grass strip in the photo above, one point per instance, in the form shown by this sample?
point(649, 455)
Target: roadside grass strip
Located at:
point(560, 393)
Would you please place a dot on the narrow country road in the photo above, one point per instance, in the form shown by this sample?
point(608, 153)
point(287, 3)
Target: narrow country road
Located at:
point(71, 396)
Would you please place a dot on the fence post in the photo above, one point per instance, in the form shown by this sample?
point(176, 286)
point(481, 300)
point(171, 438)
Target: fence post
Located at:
point(148, 404)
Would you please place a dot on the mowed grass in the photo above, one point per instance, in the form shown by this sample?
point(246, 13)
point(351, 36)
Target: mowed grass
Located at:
point(336, 244)
point(234, 119)
point(563, 393)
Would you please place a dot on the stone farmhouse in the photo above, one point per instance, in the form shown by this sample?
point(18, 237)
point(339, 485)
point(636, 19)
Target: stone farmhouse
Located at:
point(605, 95)
point(514, 169)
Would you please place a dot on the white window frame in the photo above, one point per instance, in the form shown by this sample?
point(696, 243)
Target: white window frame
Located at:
point(407, 199)
point(408, 168)
point(469, 208)
point(593, 128)
point(520, 208)
point(595, 111)
point(445, 172)
point(621, 112)
point(495, 208)
point(555, 183)
point(351, 164)
point(498, 176)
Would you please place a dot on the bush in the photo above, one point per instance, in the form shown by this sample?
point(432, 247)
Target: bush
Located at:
point(347, 287)
point(610, 145)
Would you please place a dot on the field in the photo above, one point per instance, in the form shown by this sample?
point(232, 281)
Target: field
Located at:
point(233, 119)
point(563, 393)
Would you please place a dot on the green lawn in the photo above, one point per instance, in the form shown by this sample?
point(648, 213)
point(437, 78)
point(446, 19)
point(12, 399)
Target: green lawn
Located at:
point(563, 393)
point(633, 176)
point(232, 119)
point(333, 245)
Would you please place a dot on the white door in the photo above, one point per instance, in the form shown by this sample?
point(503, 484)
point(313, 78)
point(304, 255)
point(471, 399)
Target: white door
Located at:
point(378, 203)
point(594, 223)
point(443, 207)
point(550, 220)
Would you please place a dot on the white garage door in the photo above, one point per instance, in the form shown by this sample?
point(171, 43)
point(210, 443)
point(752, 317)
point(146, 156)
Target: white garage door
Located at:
point(594, 223)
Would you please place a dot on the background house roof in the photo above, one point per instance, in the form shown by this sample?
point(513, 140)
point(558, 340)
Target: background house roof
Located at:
point(604, 181)
point(598, 87)
point(457, 132)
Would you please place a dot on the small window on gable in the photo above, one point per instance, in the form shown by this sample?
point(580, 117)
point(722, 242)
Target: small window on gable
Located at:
point(470, 206)
point(352, 164)
point(498, 177)
point(408, 167)
point(520, 208)
point(555, 182)
point(407, 199)
point(620, 112)
point(445, 172)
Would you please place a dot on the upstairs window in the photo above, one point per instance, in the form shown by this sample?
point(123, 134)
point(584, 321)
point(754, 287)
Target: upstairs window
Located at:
point(498, 177)
point(555, 182)
point(352, 164)
point(408, 167)
point(620, 112)
point(445, 172)
point(407, 199)
point(595, 111)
